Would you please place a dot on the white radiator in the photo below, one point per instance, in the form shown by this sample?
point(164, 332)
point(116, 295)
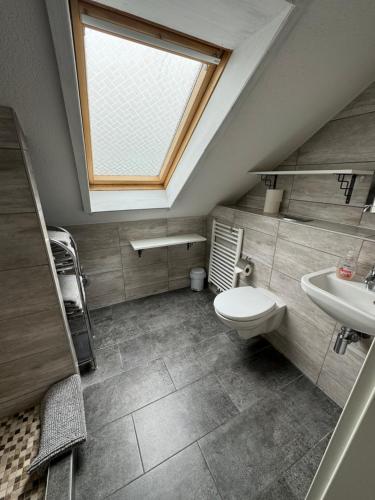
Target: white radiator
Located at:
point(226, 247)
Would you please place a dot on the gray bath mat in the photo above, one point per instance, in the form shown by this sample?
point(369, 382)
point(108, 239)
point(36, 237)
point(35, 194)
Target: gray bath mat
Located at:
point(63, 424)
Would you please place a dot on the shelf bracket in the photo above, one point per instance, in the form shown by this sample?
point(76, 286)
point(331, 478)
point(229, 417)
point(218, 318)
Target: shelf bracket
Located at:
point(347, 185)
point(139, 253)
point(188, 246)
point(269, 181)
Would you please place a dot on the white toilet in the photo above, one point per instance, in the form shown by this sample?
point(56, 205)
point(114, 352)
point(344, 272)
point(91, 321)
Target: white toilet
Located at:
point(250, 311)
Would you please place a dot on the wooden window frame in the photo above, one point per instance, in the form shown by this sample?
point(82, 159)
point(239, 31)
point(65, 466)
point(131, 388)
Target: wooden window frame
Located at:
point(202, 91)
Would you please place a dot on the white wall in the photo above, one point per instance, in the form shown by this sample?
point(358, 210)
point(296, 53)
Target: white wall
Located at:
point(321, 65)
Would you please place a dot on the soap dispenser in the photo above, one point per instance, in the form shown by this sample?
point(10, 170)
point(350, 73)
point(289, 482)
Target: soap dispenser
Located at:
point(346, 266)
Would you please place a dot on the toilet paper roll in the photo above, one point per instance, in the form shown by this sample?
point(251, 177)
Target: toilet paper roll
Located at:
point(243, 267)
point(272, 201)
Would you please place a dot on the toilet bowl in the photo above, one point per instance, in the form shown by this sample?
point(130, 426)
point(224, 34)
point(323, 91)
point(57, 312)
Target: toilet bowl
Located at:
point(250, 311)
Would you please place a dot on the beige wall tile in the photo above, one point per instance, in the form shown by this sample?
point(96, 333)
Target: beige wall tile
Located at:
point(94, 236)
point(8, 132)
point(259, 246)
point(141, 230)
point(181, 252)
point(260, 223)
point(96, 260)
point(21, 243)
point(186, 225)
point(296, 260)
point(105, 283)
point(334, 243)
point(144, 276)
point(291, 160)
point(325, 211)
point(303, 343)
point(12, 406)
point(106, 300)
point(260, 276)
point(145, 290)
point(37, 371)
point(368, 220)
point(25, 335)
point(367, 254)
point(297, 302)
point(250, 200)
point(364, 103)
point(339, 372)
point(326, 189)
point(181, 268)
point(153, 256)
point(25, 292)
point(340, 141)
point(15, 194)
point(366, 259)
point(177, 283)
point(223, 213)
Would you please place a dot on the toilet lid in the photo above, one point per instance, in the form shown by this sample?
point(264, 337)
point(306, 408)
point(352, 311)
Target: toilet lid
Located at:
point(244, 303)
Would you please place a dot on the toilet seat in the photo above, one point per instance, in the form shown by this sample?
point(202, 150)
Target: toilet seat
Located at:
point(244, 303)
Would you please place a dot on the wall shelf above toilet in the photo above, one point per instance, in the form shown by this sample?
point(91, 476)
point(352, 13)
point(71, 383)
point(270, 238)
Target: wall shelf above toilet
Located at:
point(166, 241)
point(346, 177)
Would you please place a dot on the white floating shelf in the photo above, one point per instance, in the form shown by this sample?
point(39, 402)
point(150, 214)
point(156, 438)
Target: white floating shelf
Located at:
point(347, 171)
point(345, 176)
point(167, 241)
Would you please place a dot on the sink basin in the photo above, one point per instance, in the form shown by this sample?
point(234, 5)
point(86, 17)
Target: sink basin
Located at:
point(348, 302)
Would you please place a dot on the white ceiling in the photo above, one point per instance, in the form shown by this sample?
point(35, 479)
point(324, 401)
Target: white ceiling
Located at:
point(222, 22)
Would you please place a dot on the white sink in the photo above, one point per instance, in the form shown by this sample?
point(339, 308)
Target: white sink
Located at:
point(348, 302)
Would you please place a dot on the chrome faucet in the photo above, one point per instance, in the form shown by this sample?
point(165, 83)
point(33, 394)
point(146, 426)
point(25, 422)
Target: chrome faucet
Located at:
point(369, 281)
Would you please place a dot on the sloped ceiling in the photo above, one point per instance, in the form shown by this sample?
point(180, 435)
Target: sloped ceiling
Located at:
point(324, 61)
point(222, 22)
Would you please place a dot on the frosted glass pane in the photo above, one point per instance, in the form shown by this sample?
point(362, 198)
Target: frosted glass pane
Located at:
point(137, 95)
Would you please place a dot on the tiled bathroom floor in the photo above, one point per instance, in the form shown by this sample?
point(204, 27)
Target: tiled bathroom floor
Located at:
point(182, 408)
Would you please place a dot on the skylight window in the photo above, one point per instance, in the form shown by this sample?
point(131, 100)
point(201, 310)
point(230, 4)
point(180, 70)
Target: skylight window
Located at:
point(143, 89)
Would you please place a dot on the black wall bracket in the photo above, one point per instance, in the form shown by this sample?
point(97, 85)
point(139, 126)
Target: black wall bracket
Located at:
point(269, 181)
point(347, 183)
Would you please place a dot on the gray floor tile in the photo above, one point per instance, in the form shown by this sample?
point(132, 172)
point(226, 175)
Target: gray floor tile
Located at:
point(308, 403)
point(105, 334)
point(202, 326)
point(184, 367)
point(278, 490)
point(248, 346)
point(217, 352)
point(107, 461)
point(152, 345)
point(102, 314)
point(172, 423)
point(248, 452)
point(125, 393)
point(295, 482)
point(254, 378)
point(300, 475)
point(108, 361)
point(183, 477)
point(190, 364)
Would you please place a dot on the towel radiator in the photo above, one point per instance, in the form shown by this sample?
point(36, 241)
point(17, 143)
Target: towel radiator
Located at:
point(226, 244)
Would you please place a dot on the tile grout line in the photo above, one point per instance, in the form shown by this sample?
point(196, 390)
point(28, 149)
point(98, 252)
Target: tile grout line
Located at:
point(326, 354)
point(209, 470)
point(122, 263)
point(151, 469)
point(169, 374)
point(139, 448)
point(279, 476)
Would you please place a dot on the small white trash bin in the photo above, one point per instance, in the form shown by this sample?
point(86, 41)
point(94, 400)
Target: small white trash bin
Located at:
point(197, 275)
